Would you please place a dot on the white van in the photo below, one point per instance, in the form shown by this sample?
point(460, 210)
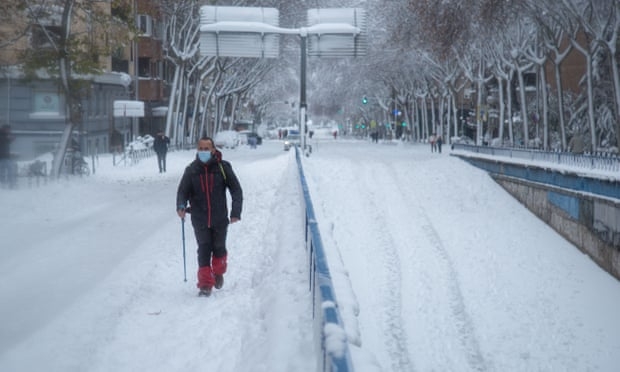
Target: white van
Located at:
point(228, 139)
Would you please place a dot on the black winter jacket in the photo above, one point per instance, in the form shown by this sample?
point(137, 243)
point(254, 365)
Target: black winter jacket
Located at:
point(204, 186)
point(160, 145)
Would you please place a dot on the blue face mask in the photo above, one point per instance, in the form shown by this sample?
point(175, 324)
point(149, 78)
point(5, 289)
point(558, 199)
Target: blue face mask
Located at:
point(204, 156)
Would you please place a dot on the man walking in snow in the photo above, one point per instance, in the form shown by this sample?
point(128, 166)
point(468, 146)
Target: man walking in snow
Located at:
point(160, 145)
point(204, 185)
point(439, 141)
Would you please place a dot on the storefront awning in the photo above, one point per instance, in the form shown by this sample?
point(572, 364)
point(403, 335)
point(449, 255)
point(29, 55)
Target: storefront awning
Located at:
point(129, 109)
point(160, 110)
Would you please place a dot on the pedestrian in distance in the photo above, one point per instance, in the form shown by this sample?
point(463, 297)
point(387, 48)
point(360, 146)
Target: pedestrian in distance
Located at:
point(439, 141)
point(8, 168)
point(160, 145)
point(252, 142)
point(432, 140)
point(203, 185)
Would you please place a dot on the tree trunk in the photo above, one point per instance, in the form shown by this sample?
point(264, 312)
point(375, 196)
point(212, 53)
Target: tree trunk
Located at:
point(560, 93)
point(523, 108)
point(616, 78)
point(590, 91)
point(478, 139)
point(502, 115)
point(433, 119)
point(172, 102)
point(64, 66)
point(545, 104)
point(455, 120)
point(511, 136)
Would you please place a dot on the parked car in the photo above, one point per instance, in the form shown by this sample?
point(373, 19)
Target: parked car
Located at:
point(464, 140)
point(228, 139)
point(292, 139)
point(140, 143)
point(246, 135)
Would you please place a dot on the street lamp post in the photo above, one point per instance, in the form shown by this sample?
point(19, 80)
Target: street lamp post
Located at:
point(302, 86)
point(254, 32)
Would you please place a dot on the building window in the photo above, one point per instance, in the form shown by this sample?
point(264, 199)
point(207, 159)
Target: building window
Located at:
point(145, 24)
point(44, 37)
point(158, 29)
point(530, 80)
point(46, 103)
point(144, 67)
point(159, 68)
point(119, 62)
point(98, 99)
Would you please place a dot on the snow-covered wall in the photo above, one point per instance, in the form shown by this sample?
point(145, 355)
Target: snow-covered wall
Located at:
point(589, 220)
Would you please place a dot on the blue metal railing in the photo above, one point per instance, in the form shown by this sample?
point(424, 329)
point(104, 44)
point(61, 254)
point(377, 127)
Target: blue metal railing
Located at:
point(329, 334)
point(539, 166)
point(595, 161)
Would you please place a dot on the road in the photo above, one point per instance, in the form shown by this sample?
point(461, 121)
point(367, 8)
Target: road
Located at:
point(435, 268)
point(446, 271)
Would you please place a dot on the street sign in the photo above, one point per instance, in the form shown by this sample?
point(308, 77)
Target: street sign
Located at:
point(230, 31)
point(337, 32)
point(125, 109)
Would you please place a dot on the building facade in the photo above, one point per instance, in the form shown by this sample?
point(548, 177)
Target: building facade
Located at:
point(35, 109)
point(34, 106)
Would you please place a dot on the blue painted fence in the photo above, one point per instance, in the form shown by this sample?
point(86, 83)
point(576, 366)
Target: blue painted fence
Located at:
point(596, 161)
point(329, 334)
point(537, 167)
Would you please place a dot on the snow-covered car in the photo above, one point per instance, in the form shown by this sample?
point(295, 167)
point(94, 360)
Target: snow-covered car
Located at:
point(148, 140)
point(246, 135)
point(228, 139)
point(140, 143)
point(463, 139)
point(292, 139)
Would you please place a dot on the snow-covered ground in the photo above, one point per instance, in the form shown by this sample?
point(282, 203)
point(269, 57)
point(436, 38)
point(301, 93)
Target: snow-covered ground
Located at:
point(445, 271)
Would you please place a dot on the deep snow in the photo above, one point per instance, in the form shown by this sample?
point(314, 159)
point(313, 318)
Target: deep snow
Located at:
point(435, 268)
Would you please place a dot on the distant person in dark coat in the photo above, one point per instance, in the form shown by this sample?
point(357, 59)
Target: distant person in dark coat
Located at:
point(160, 145)
point(439, 141)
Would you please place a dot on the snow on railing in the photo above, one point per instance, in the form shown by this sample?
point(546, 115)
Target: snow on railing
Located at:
point(131, 157)
point(330, 335)
point(605, 162)
point(140, 148)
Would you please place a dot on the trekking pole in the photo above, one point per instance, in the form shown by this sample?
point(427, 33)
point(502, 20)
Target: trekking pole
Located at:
point(183, 238)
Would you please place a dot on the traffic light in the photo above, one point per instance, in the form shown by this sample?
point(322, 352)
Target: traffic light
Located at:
point(364, 100)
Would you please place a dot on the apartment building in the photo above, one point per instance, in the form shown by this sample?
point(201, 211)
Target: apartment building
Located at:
point(35, 106)
point(144, 61)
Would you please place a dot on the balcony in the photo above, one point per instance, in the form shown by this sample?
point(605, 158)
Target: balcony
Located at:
point(150, 89)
